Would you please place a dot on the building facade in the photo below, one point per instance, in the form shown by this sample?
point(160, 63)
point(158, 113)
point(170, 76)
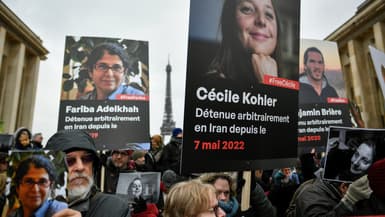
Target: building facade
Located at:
point(20, 54)
point(366, 27)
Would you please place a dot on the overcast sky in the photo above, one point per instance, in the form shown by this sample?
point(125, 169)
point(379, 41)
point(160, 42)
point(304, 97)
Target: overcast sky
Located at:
point(163, 23)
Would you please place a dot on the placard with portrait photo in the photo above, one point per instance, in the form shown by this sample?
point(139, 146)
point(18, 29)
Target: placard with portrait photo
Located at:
point(241, 85)
point(37, 179)
point(144, 185)
point(105, 91)
point(322, 100)
point(351, 151)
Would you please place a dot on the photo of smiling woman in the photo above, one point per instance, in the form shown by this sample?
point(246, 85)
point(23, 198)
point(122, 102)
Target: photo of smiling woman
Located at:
point(251, 46)
point(100, 68)
point(138, 186)
point(363, 157)
point(103, 80)
point(241, 52)
point(34, 182)
point(351, 152)
point(135, 189)
point(107, 66)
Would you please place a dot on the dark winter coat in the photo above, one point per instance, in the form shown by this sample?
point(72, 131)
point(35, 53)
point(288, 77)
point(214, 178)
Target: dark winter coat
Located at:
point(260, 205)
point(152, 159)
point(112, 176)
point(98, 204)
point(371, 206)
point(171, 155)
point(307, 94)
point(321, 199)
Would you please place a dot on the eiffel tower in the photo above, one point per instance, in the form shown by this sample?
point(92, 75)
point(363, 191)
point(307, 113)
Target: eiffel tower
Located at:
point(168, 123)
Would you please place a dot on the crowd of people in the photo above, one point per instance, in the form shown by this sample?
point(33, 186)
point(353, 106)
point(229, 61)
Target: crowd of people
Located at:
point(249, 51)
point(296, 190)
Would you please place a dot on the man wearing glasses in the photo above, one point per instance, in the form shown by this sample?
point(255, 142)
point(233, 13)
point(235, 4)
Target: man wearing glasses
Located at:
point(83, 162)
point(107, 66)
point(118, 162)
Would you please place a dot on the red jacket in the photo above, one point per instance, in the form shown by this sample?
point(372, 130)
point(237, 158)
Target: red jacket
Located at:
point(151, 211)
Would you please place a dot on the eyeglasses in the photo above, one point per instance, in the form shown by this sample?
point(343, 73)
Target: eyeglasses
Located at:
point(102, 67)
point(30, 182)
point(226, 193)
point(86, 159)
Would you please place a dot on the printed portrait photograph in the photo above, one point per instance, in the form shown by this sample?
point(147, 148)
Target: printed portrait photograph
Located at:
point(320, 64)
point(241, 41)
point(33, 181)
point(105, 90)
point(351, 151)
point(143, 185)
point(98, 68)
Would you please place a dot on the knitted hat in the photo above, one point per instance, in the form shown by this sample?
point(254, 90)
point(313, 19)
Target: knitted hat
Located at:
point(176, 131)
point(377, 178)
point(137, 154)
point(169, 178)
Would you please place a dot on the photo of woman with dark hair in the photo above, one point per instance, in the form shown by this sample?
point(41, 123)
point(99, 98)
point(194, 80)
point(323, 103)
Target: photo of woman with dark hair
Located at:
point(250, 42)
point(363, 157)
point(35, 180)
point(236, 57)
point(350, 156)
point(107, 66)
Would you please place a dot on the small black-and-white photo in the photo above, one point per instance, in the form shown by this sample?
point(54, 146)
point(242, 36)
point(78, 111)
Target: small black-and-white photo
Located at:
point(351, 151)
point(144, 185)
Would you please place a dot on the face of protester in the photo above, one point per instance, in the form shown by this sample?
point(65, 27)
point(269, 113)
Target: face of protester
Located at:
point(257, 26)
point(107, 74)
point(38, 138)
point(361, 159)
point(120, 159)
point(80, 177)
point(315, 66)
point(222, 188)
point(155, 140)
point(24, 138)
point(214, 210)
point(33, 189)
point(140, 161)
point(286, 171)
point(137, 188)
